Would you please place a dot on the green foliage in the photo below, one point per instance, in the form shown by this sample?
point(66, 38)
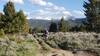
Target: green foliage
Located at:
point(45, 47)
point(9, 10)
point(52, 43)
point(2, 33)
point(30, 30)
point(22, 22)
point(12, 21)
point(81, 28)
point(38, 29)
point(53, 27)
point(62, 25)
point(71, 41)
point(1, 21)
point(92, 12)
point(67, 26)
point(9, 13)
point(9, 47)
point(27, 49)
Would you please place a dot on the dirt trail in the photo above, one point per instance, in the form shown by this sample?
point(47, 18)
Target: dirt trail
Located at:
point(58, 52)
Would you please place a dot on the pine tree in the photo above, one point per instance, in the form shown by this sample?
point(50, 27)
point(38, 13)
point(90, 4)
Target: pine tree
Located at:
point(62, 25)
point(97, 28)
point(9, 13)
point(25, 26)
point(53, 27)
point(14, 22)
point(22, 22)
point(1, 15)
point(93, 17)
point(1, 20)
point(67, 26)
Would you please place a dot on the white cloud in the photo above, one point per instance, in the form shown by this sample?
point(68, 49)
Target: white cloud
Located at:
point(41, 11)
point(66, 13)
point(43, 18)
point(39, 2)
point(1, 12)
point(28, 14)
point(78, 14)
point(17, 1)
point(50, 4)
point(49, 10)
point(14, 1)
point(46, 14)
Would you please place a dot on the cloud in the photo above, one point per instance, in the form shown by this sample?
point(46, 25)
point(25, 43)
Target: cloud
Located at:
point(1, 11)
point(46, 14)
point(78, 14)
point(17, 1)
point(49, 10)
point(50, 4)
point(28, 14)
point(39, 2)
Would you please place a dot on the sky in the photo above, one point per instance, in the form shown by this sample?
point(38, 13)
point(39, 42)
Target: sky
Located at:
point(48, 9)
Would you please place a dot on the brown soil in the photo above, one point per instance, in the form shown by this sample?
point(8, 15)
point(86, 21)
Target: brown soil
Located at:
point(58, 52)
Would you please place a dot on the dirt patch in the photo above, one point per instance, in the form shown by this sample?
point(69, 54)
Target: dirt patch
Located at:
point(84, 53)
point(59, 52)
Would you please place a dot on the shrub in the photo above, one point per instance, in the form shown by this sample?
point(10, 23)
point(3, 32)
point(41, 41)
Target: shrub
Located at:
point(37, 29)
point(70, 41)
point(2, 33)
point(10, 47)
point(44, 46)
point(12, 38)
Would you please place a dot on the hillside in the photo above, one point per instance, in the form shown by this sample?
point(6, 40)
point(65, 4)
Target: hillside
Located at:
point(46, 23)
point(57, 44)
point(37, 23)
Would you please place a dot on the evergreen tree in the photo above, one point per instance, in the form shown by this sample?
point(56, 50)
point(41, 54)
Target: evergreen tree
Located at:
point(22, 22)
point(62, 25)
point(25, 26)
point(13, 21)
point(1, 15)
point(9, 13)
point(97, 28)
point(82, 28)
point(93, 17)
point(53, 27)
point(1, 20)
point(67, 26)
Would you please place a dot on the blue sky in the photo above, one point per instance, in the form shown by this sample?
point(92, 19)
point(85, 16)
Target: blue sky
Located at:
point(48, 9)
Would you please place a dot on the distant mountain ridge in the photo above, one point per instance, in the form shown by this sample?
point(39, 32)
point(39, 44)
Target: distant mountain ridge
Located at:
point(39, 23)
point(46, 23)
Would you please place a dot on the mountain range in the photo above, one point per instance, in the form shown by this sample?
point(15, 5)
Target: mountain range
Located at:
point(46, 23)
